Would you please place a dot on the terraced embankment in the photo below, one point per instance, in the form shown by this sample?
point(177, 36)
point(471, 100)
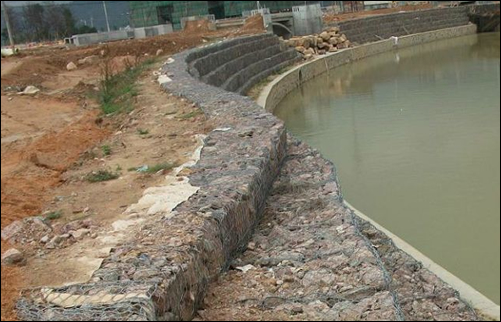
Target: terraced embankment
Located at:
point(312, 259)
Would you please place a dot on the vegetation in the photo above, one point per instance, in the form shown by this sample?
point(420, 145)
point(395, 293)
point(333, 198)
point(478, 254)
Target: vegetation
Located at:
point(190, 114)
point(102, 175)
point(165, 166)
point(142, 131)
point(49, 20)
point(106, 150)
point(54, 215)
point(118, 89)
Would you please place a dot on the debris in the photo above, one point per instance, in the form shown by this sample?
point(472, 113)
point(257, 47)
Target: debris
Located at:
point(78, 234)
point(87, 60)
point(30, 90)
point(162, 79)
point(159, 52)
point(144, 168)
point(246, 268)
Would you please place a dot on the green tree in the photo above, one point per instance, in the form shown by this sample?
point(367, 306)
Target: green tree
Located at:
point(35, 24)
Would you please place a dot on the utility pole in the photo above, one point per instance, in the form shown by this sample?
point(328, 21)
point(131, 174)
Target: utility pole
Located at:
point(106, 16)
point(92, 21)
point(7, 24)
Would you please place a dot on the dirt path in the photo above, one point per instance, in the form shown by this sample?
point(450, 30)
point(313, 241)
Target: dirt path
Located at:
point(43, 172)
point(51, 141)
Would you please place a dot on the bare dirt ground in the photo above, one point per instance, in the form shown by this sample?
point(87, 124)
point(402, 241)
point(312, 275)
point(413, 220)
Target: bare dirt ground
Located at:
point(52, 141)
point(330, 18)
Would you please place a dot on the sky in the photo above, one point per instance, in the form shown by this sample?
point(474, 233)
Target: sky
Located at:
point(22, 3)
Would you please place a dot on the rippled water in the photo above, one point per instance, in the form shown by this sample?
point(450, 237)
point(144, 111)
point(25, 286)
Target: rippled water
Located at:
point(415, 135)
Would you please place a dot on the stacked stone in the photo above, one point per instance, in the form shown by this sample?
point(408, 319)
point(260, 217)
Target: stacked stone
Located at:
point(330, 40)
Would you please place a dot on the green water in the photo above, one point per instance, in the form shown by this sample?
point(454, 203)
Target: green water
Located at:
point(415, 137)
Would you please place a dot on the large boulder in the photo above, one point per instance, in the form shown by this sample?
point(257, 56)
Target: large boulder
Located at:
point(13, 257)
point(325, 36)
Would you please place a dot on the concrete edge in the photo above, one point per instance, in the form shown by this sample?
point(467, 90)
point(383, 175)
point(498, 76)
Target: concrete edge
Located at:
point(348, 55)
point(483, 305)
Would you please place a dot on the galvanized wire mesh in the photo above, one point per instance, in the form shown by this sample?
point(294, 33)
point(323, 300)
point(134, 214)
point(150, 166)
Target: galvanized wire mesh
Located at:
point(89, 302)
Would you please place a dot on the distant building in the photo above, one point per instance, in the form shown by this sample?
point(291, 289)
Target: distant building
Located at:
point(149, 13)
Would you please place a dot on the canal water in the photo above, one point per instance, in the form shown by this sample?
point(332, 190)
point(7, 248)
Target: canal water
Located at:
point(415, 136)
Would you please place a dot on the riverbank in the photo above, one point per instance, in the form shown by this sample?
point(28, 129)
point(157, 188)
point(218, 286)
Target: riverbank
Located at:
point(279, 87)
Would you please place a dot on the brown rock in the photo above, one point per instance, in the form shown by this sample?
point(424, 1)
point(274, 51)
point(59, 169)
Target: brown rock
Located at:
point(306, 43)
point(11, 230)
point(13, 257)
point(334, 40)
point(71, 66)
point(88, 60)
point(333, 29)
point(300, 49)
point(325, 36)
point(310, 51)
point(80, 233)
point(322, 45)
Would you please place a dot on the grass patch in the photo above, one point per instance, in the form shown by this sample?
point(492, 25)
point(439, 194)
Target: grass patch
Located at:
point(165, 166)
point(54, 215)
point(106, 150)
point(161, 166)
point(190, 115)
point(142, 131)
point(117, 90)
point(102, 175)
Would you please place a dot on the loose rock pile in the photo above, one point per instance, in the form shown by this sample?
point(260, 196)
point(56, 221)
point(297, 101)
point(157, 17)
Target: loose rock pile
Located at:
point(330, 40)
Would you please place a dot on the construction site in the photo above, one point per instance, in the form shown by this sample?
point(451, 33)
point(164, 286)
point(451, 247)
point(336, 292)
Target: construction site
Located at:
point(145, 177)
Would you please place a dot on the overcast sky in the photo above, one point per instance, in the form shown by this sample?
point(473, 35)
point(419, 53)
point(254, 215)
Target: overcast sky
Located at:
point(22, 3)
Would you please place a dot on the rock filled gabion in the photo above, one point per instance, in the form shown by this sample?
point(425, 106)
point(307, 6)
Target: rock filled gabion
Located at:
point(330, 40)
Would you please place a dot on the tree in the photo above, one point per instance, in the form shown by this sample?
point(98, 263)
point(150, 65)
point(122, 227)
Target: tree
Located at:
point(84, 30)
point(55, 21)
point(15, 25)
point(69, 22)
point(35, 24)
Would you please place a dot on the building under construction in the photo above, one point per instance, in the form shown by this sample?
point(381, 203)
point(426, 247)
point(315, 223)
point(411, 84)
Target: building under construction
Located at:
point(149, 13)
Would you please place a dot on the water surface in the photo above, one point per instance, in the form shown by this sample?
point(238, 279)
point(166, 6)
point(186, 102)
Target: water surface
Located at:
point(415, 136)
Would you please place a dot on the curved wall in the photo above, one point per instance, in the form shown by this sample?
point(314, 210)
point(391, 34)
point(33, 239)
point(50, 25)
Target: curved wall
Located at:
point(179, 256)
point(281, 86)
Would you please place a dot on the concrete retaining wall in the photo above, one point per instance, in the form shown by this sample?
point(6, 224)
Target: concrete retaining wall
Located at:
point(279, 88)
point(375, 28)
